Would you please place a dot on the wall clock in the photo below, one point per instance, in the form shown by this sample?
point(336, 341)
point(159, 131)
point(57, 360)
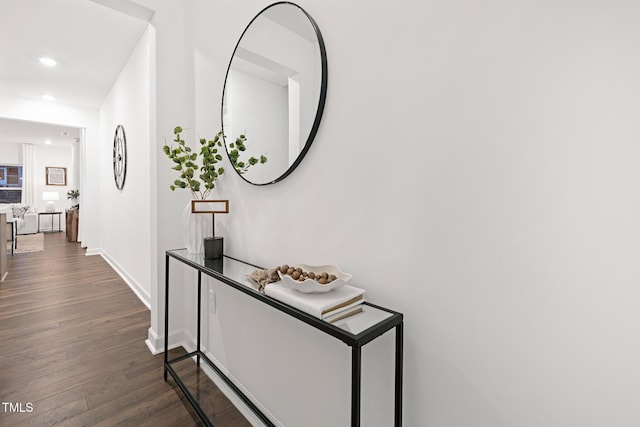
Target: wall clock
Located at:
point(119, 157)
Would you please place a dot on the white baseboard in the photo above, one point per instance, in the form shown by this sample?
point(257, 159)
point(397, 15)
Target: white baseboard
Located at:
point(133, 284)
point(181, 338)
point(124, 275)
point(190, 345)
point(155, 342)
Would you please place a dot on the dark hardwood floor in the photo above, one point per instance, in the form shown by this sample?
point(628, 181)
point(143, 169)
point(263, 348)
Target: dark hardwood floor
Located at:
point(72, 349)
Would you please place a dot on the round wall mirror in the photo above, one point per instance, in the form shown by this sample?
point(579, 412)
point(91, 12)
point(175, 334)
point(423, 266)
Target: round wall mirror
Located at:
point(274, 92)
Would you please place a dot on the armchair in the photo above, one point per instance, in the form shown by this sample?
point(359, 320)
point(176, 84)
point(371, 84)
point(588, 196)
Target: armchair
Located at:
point(29, 224)
point(26, 217)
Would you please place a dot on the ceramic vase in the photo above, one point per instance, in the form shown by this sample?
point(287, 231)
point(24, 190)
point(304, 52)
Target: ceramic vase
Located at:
point(195, 227)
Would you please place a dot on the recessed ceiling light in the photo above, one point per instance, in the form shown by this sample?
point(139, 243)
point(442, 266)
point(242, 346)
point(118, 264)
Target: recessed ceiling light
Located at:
point(47, 61)
point(47, 141)
point(48, 97)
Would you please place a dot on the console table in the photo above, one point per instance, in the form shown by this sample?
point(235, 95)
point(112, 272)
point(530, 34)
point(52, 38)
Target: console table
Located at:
point(355, 331)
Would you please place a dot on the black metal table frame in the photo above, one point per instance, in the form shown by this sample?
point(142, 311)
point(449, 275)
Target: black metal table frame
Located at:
point(355, 341)
point(52, 214)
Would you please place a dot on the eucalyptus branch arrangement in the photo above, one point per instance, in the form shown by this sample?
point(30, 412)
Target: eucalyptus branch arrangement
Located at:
point(186, 162)
point(234, 155)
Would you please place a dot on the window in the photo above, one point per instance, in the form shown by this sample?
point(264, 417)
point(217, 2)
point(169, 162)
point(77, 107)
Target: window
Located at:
point(11, 176)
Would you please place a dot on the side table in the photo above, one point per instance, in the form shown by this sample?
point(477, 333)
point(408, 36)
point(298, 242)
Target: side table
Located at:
point(52, 214)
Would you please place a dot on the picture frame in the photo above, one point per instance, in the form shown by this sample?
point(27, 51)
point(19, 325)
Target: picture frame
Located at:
point(56, 175)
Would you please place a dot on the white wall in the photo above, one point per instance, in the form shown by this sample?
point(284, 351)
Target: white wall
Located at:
point(53, 156)
point(125, 213)
point(11, 154)
point(504, 138)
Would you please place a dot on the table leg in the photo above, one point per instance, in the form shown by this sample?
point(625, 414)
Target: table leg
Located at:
point(356, 375)
point(399, 364)
point(199, 315)
point(166, 315)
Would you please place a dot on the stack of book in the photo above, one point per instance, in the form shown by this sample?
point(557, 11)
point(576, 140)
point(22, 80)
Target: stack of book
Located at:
point(337, 304)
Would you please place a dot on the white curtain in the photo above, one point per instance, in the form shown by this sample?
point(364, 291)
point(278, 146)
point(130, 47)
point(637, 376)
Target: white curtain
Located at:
point(28, 196)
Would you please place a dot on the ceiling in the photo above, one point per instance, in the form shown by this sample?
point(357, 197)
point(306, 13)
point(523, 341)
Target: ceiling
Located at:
point(25, 132)
point(91, 41)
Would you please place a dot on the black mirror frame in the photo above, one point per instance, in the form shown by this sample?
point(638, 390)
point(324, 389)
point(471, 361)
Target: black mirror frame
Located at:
point(321, 100)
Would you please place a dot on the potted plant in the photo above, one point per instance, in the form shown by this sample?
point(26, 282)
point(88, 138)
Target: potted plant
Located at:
point(73, 196)
point(198, 172)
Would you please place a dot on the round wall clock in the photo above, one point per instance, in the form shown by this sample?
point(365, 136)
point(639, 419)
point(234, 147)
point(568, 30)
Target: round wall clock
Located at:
point(119, 157)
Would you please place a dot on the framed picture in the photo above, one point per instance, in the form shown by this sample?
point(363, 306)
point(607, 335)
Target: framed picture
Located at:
point(56, 176)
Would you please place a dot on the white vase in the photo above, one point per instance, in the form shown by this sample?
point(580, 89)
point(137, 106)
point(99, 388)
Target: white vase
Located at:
point(195, 227)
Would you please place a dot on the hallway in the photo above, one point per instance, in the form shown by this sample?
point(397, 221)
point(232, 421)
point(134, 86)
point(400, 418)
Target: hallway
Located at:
point(72, 348)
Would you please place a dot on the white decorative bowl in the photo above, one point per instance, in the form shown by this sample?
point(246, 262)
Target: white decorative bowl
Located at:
point(310, 286)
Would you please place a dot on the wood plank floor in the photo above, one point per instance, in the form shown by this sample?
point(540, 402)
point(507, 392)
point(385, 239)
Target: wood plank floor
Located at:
point(72, 349)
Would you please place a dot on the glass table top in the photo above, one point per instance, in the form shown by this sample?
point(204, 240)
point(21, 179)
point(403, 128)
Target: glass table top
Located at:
point(364, 317)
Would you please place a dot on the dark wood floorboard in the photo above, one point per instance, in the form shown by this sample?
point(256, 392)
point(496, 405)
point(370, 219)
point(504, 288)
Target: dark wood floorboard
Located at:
point(72, 347)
